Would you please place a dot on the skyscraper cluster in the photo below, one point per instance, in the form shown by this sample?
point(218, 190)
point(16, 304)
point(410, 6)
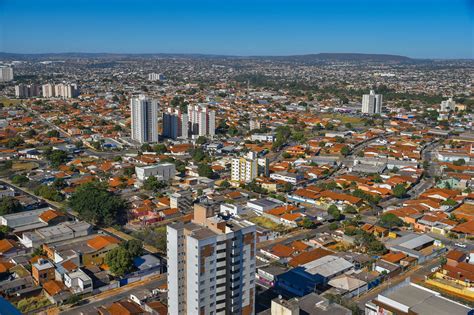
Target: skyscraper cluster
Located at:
point(211, 265)
point(156, 77)
point(6, 74)
point(27, 90)
point(199, 121)
point(61, 90)
point(144, 116)
point(372, 103)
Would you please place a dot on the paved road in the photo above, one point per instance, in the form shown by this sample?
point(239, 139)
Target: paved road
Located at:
point(114, 295)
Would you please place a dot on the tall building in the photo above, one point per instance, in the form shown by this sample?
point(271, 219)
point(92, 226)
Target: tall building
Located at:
point(244, 169)
point(372, 103)
point(6, 74)
point(48, 90)
point(66, 90)
point(26, 91)
point(144, 113)
point(156, 77)
point(175, 124)
point(202, 120)
point(211, 265)
point(448, 105)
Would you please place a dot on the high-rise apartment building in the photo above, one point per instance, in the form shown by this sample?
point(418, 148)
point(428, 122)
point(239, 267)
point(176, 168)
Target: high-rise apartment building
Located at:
point(48, 90)
point(372, 103)
point(175, 124)
point(6, 74)
point(202, 120)
point(26, 91)
point(144, 114)
point(244, 169)
point(156, 77)
point(211, 265)
point(247, 168)
point(448, 105)
point(66, 90)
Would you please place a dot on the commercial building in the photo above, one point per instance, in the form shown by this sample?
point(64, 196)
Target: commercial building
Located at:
point(410, 298)
point(202, 120)
point(211, 265)
point(6, 74)
point(144, 114)
point(26, 91)
point(156, 77)
point(164, 171)
point(448, 105)
point(175, 124)
point(372, 103)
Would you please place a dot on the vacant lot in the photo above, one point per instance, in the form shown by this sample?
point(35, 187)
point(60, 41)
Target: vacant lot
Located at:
point(24, 166)
point(268, 224)
point(9, 101)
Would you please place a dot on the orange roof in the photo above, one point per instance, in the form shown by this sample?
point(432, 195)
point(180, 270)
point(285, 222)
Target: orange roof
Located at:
point(299, 245)
point(49, 215)
point(393, 257)
point(291, 216)
point(281, 250)
point(465, 228)
point(6, 245)
point(5, 266)
point(69, 265)
point(102, 241)
point(308, 256)
point(124, 308)
point(53, 287)
point(455, 255)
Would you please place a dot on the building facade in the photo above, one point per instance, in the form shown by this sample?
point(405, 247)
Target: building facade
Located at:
point(6, 74)
point(202, 120)
point(144, 116)
point(175, 124)
point(372, 103)
point(211, 265)
point(244, 169)
point(26, 91)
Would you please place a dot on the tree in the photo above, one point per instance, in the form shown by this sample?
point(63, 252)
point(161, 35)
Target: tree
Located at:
point(390, 220)
point(350, 209)
point(53, 134)
point(160, 148)
point(119, 261)
point(134, 247)
point(4, 230)
point(153, 184)
point(307, 223)
point(205, 170)
point(96, 204)
point(49, 192)
point(399, 190)
point(56, 157)
point(198, 155)
point(345, 150)
point(459, 162)
point(334, 212)
point(9, 205)
point(20, 180)
point(201, 140)
point(224, 184)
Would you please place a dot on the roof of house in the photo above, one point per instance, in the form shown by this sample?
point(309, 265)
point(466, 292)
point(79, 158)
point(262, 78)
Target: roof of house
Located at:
point(49, 215)
point(309, 256)
point(455, 255)
point(101, 241)
point(6, 245)
point(53, 287)
point(124, 307)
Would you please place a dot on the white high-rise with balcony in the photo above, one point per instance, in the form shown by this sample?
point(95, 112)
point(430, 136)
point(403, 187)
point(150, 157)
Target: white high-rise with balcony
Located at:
point(211, 265)
point(202, 120)
point(372, 103)
point(6, 74)
point(144, 116)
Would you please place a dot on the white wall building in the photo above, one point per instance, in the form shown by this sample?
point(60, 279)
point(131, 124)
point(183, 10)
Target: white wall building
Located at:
point(448, 105)
point(164, 171)
point(202, 120)
point(156, 77)
point(6, 74)
point(372, 103)
point(244, 169)
point(175, 124)
point(48, 90)
point(144, 114)
point(211, 266)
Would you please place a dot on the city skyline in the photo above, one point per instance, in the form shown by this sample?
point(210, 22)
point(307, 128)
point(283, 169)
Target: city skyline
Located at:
point(414, 29)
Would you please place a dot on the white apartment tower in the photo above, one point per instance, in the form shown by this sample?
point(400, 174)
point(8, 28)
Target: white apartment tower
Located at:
point(6, 74)
point(211, 265)
point(448, 105)
point(48, 90)
point(372, 103)
point(244, 169)
point(202, 120)
point(175, 124)
point(144, 116)
point(66, 90)
point(25, 91)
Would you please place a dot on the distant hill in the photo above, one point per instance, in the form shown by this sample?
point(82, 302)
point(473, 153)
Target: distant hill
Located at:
point(343, 57)
point(310, 58)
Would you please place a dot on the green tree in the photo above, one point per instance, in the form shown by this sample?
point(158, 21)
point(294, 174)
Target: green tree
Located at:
point(334, 212)
point(205, 170)
point(119, 261)
point(20, 180)
point(56, 157)
point(350, 209)
point(307, 223)
point(399, 190)
point(9, 205)
point(160, 148)
point(201, 140)
point(4, 230)
point(345, 151)
point(48, 192)
point(53, 134)
point(224, 184)
point(390, 220)
point(96, 204)
point(134, 247)
point(153, 184)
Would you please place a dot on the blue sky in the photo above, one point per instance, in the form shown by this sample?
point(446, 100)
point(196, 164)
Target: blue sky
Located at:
point(415, 28)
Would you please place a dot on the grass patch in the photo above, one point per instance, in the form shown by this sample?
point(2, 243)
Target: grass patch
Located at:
point(268, 224)
point(24, 166)
point(343, 118)
point(32, 303)
point(9, 101)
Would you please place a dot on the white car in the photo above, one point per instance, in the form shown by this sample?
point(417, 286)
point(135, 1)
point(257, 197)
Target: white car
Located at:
point(460, 245)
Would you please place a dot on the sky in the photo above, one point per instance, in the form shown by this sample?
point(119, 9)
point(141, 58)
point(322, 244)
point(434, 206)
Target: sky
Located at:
point(414, 28)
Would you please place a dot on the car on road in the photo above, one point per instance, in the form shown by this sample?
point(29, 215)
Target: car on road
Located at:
point(460, 245)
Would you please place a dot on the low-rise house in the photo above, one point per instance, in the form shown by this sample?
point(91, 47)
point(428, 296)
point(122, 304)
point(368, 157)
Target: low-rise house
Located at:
point(78, 282)
point(42, 271)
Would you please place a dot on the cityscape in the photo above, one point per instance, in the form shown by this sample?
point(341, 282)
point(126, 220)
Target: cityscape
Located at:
point(243, 182)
